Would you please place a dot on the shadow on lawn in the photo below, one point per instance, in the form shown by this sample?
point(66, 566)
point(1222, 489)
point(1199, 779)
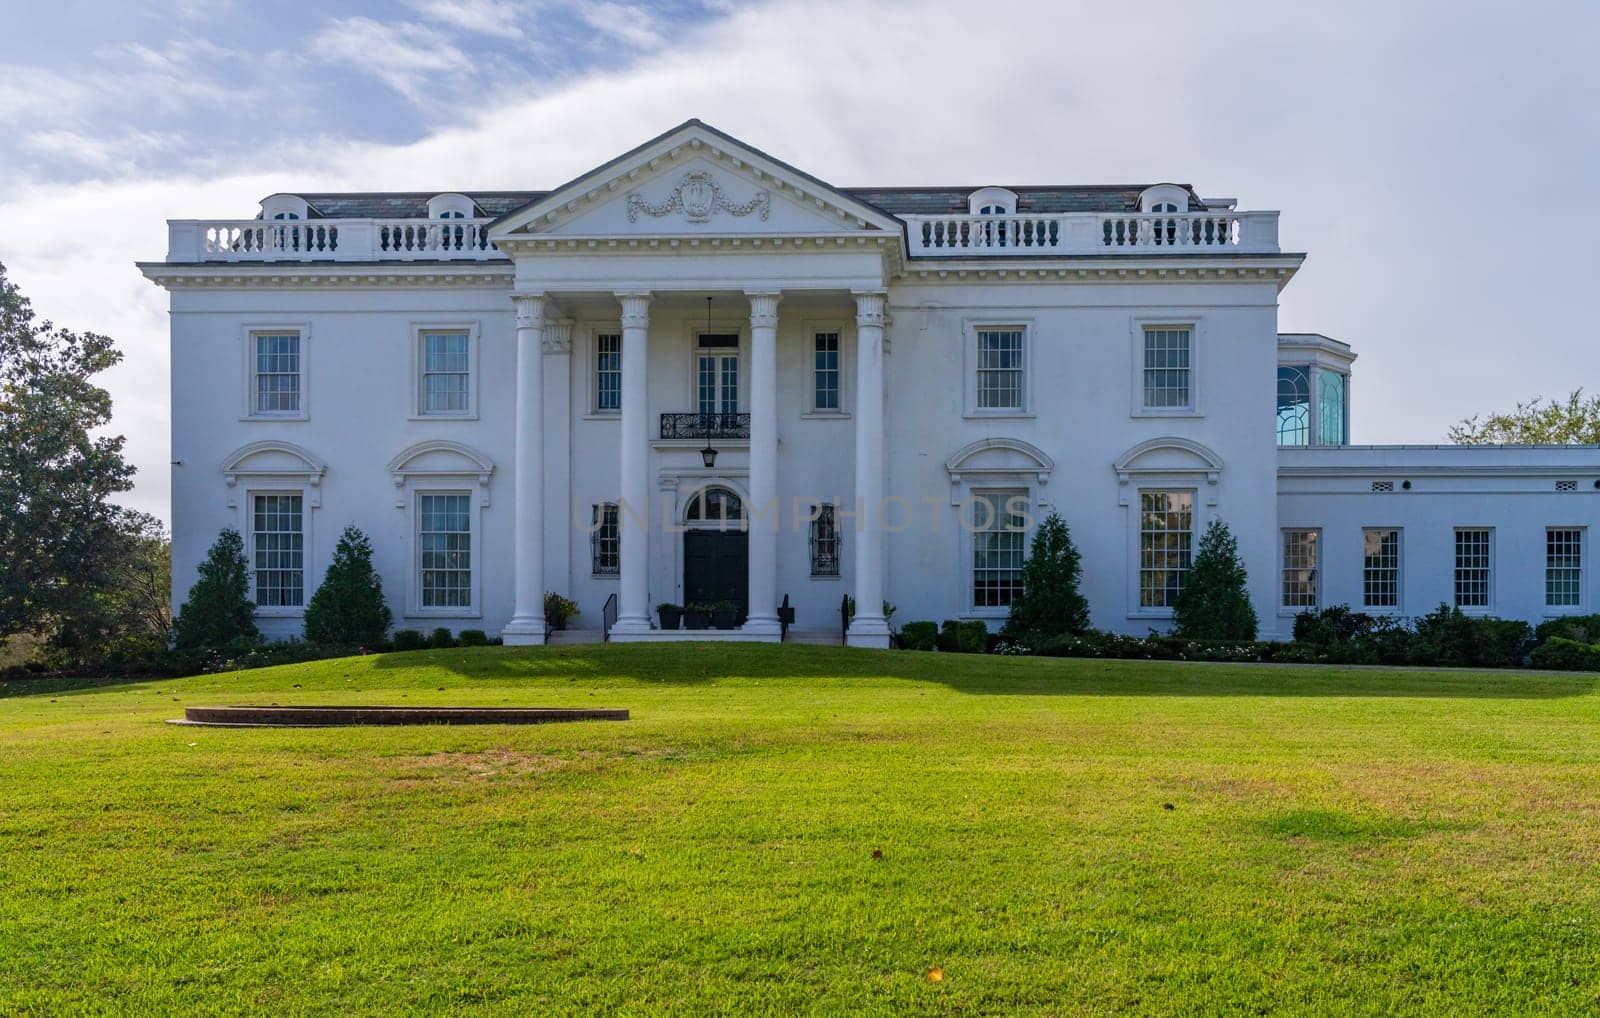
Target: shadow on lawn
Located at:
point(692, 664)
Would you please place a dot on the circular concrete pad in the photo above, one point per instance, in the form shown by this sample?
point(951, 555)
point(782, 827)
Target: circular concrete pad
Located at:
point(327, 717)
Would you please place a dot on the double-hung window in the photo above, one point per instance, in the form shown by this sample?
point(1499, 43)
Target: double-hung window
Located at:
point(1300, 568)
point(825, 372)
point(276, 374)
point(1166, 540)
point(1474, 566)
point(446, 374)
point(605, 540)
point(824, 542)
point(277, 543)
point(1563, 567)
point(1168, 368)
point(444, 549)
point(1000, 369)
point(608, 373)
point(1380, 567)
point(998, 547)
point(717, 376)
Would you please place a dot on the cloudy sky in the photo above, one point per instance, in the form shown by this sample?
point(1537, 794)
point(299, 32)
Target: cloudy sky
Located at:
point(1440, 162)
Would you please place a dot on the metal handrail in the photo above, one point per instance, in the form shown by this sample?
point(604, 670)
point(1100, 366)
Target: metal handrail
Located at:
point(785, 619)
point(705, 426)
point(844, 620)
point(608, 618)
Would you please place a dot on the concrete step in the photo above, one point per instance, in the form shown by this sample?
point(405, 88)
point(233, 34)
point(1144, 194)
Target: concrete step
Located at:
point(814, 636)
point(571, 636)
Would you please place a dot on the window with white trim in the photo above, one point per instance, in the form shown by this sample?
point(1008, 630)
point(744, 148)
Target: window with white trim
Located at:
point(825, 371)
point(1168, 368)
point(999, 534)
point(1000, 368)
point(1474, 571)
point(824, 541)
point(1166, 540)
point(1300, 567)
point(276, 381)
point(1563, 567)
point(1380, 567)
point(277, 545)
point(444, 549)
point(605, 540)
point(446, 384)
point(608, 373)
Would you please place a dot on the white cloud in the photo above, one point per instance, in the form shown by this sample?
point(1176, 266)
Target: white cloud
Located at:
point(487, 17)
point(633, 24)
point(1408, 183)
point(403, 55)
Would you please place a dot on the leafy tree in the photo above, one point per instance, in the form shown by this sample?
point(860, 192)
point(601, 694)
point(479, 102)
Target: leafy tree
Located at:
point(1575, 421)
point(1050, 604)
point(1214, 604)
point(349, 608)
point(58, 532)
point(218, 611)
point(128, 608)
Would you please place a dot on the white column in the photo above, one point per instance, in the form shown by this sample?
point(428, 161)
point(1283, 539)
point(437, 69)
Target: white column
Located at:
point(868, 628)
point(526, 627)
point(633, 603)
point(558, 530)
point(762, 512)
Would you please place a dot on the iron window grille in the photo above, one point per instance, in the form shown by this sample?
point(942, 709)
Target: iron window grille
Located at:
point(824, 542)
point(605, 540)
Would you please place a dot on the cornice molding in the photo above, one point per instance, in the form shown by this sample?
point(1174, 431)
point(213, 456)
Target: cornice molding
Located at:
point(210, 276)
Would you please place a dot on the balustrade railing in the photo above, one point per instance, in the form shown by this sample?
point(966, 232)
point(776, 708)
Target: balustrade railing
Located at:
point(705, 425)
point(259, 240)
point(1091, 233)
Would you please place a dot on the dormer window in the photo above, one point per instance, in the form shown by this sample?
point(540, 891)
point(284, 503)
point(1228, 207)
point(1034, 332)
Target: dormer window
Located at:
point(992, 201)
point(1164, 198)
point(450, 206)
point(282, 207)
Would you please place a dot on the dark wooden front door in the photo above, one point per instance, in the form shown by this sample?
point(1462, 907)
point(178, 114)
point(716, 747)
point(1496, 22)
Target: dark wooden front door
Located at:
point(716, 567)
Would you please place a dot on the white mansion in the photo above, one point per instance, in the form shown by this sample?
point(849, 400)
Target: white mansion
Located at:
point(697, 374)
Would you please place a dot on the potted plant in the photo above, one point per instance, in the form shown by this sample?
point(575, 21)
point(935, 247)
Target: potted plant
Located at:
point(558, 609)
point(671, 614)
point(724, 615)
point(696, 616)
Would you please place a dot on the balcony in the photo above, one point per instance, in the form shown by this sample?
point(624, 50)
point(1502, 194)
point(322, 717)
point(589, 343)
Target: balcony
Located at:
point(329, 240)
point(699, 426)
point(1091, 233)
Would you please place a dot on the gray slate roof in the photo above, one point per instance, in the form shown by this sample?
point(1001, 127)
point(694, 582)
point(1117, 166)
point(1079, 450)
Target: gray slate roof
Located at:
point(896, 201)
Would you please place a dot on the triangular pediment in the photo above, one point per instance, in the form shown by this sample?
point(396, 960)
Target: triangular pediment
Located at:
point(693, 180)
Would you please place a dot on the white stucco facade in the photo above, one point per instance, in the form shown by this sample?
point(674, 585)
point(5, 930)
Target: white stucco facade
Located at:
point(467, 377)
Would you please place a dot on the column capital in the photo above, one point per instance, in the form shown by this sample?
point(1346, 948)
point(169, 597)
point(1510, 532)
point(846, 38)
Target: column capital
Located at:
point(635, 307)
point(871, 306)
point(530, 309)
point(763, 307)
point(558, 335)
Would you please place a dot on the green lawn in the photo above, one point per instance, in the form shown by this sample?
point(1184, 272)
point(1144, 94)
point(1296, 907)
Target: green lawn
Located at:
point(1056, 836)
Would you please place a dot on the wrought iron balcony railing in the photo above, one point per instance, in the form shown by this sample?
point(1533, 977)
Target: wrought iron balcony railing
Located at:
point(705, 426)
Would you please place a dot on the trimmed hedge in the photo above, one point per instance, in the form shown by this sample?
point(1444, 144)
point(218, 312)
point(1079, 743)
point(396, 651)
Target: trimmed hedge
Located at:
point(919, 636)
point(1576, 628)
point(1566, 655)
point(963, 636)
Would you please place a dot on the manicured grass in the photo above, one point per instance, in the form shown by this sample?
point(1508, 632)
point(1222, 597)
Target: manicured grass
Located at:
point(1056, 836)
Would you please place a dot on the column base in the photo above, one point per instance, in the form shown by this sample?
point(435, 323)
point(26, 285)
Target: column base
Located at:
point(523, 631)
point(767, 626)
point(630, 626)
point(867, 631)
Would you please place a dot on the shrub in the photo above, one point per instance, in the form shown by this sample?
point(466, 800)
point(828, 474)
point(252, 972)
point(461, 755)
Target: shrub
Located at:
point(218, 612)
point(1578, 628)
point(1214, 604)
point(1563, 654)
point(919, 636)
point(957, 636)
point(441, 638)
point(409, 639)
point(1449, 636)
point(472, 638)
point(558, 609)
point(1050, 604)
point(349, 606)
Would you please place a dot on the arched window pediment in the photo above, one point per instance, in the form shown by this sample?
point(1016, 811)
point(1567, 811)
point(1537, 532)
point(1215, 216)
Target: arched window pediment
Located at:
point(274, 460)
point(1001, 455)
point(1170, 457)
point(441, 460)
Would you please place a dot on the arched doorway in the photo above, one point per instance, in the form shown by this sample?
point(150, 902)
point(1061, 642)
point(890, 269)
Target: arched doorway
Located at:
point(716, 550)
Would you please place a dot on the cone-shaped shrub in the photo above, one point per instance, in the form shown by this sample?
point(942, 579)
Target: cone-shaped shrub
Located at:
point(1050, 604)
point(1214, 604)
point(349, 608)
point(218, 612)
